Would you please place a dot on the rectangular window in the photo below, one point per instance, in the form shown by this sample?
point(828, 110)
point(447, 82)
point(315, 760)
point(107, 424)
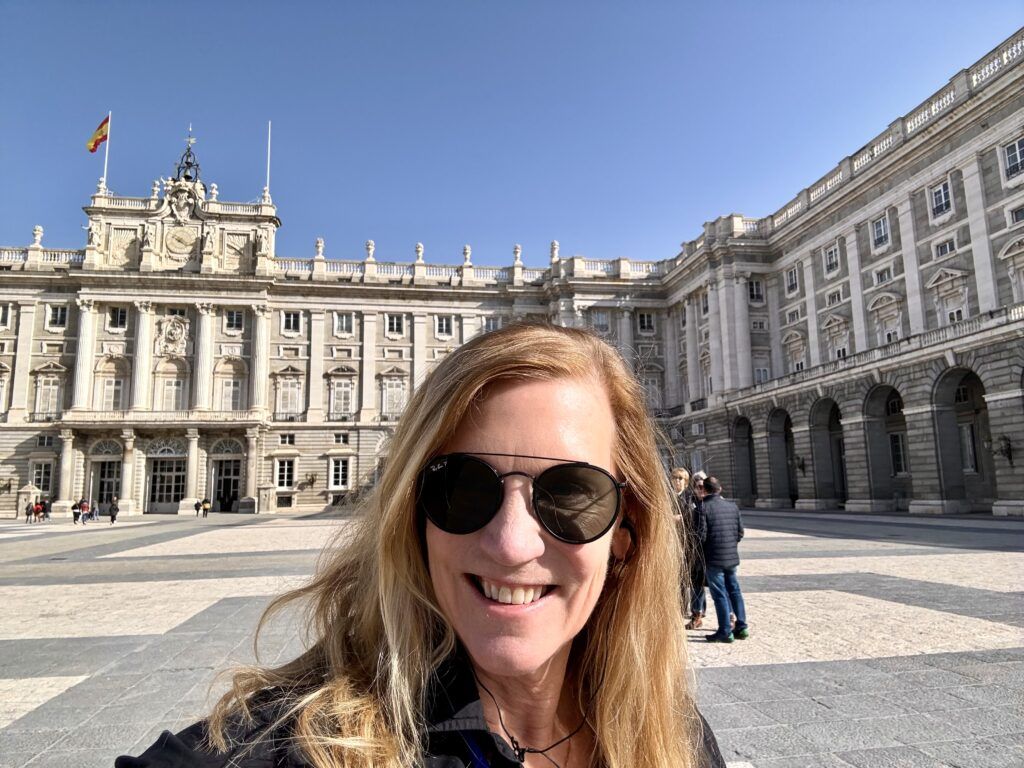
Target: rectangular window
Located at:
point(652, 391)
point(840, 353)
point(834, 297)
point(341, 398)
point(48, 396)
point(1014, 157)
point(755, 290)
point(290, 396)
point(645, 322)
point(339, 473)
point(955, 315)
point(880, 230)
point(343, 323)
point(883, 275)
point(945, 248)
point(961, 395)
point(898, 452)
point(395, 324)
point(696, 461)
point(286, 439)
point(285, 473)
point(492, 323)
point(968, 451)
point(112, 391)
point(792, 280)
point(394, 396)
point(704, 303)
point(599, 320)
point(44, 441)
point(175, 311)
point(892, 335)
point(798, 365)
point(761, 375)
point(443, 325)
point(793, 316)
point(232, 395)
point(234, 320)
point(940, 199)
point(698, 428)
point(58, 317)
point(341, 438)
point(1017, 215)
point(42, 475)
point(832, 259)
point(291, 322)
point(759, 325)
point(117, 318)
point(5, 315)
point(174, 395)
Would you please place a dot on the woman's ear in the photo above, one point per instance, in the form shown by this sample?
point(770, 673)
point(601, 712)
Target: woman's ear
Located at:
point(623, 540)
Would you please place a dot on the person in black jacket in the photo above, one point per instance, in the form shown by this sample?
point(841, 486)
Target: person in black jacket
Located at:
point(722, 558)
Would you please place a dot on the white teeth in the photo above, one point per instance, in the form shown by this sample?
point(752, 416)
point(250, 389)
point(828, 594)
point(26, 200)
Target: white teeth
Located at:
point(511, 595)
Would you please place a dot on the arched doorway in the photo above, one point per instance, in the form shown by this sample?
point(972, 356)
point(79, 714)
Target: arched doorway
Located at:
point(166, 464)
point(891, 485)
point(781, 462)
point(226, 474)
point(103, 466)
point(828, 452)
point(744, 476)
point(966, 471)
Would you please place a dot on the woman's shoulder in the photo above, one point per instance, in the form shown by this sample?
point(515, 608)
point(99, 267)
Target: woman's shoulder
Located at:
point(262, 742)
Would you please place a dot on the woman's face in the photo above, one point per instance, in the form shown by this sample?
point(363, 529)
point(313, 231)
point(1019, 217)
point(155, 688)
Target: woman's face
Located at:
point(570, 420)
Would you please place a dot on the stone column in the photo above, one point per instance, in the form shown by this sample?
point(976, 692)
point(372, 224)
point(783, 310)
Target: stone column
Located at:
point(187, 504)
point(419, 348)
point(811, 310)
point(250, 503)
point(66, 487)
point(981, 246)
point(368, 368)
point(142, 366)
point(260, 356)
point(715, 340)
point(911, 268)
point(22, 361)
point(692, 349)
point(923, 454)
point(85, 355)
point(671, 358)
point(315, 411)
point(744, 360)
point(626, 337)
point(126, 495)
point(202, 376)
point(763, 470)
point(805, 486)
point(860, 335)
point(727, 347)
point(858, 469)
point(1006, 425)
point(771, 286)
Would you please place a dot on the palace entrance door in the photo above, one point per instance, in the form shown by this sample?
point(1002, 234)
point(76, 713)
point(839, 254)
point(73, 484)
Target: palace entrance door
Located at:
point(166, 485)
point(227, 478)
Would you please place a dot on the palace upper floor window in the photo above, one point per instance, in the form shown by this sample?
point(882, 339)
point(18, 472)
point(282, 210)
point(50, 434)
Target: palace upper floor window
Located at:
point(117, 318)
point(883, 275)
point(755, 291)
point(831, 259)
point(343, 323)
point(645, 322)
point(599, 320)
point(291, 322)
point(880, 231)
point(945, 248)
point(792, 280)
point(1014, 152)
point(395, 324)
point(704, 302)
point(5, 315)
point(234, 320)
point(58, 316)
point(443, 325)
point(492, 323)
point(834, 297)
point(940, 199)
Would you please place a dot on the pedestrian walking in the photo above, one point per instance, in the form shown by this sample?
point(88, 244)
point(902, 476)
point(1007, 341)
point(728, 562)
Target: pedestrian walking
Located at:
point(198, 506)
point(30, 511)
point(94, 510)
point(76, 511)
point(721, 557)
point(698, 575)
point(206, 507)
point(83, 507)
point(46, 509)
point(113, 510)
point(37, 511)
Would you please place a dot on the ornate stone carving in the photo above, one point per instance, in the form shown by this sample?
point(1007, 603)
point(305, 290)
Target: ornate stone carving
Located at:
point(319, 247)
point(209, 237)
point(172, 336)
point(467, 254)
point(370, 248)
point(213, 193)
point(204, 308)
point(154, 193)
point(554, 251)
point(144, 306)
point(85, 305)
point(236, 250)
point(262, 243)
point(123, 246)
point(94, 235)
point(180, 243)
point(517, 253)
point(37, 236)
point(181, 205)
point(419, 253)
point(147, 234)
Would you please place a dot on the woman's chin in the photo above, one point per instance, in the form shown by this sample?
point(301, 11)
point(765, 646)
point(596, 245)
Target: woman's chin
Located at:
point(510, 656)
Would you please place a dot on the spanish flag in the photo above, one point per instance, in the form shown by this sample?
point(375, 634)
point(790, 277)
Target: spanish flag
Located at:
point(99, 135)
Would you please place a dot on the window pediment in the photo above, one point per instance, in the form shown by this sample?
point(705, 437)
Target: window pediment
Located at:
point(51, 367)
point(835, 323)
point(884, 300)
point(792, 339)
point(944, 275)
point(393, 372)
point(289, 371)
point(341, 371)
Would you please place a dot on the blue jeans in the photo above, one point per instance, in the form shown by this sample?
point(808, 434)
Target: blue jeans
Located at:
point(725, 591)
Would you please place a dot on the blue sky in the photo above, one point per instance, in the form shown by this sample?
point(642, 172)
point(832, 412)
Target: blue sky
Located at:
point(617, 128)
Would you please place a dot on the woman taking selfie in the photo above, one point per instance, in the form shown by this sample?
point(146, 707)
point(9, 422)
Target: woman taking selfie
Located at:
point(509, 596)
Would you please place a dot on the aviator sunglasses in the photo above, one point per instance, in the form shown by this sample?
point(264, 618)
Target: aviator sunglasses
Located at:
point(576, 502)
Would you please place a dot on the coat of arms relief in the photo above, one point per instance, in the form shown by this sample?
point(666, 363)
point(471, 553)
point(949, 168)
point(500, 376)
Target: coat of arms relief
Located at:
point(172, 336)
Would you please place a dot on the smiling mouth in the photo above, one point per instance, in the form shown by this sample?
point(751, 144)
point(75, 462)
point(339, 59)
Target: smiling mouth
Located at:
point(510, 594)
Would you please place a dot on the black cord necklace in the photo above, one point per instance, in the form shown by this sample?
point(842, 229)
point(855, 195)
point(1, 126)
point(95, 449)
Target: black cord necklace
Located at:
point(521, 751)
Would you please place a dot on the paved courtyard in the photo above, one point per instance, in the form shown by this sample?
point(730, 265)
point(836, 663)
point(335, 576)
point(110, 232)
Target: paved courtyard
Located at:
point(877, 641)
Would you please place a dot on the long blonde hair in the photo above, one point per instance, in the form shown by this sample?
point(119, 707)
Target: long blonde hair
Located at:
point(356, 697)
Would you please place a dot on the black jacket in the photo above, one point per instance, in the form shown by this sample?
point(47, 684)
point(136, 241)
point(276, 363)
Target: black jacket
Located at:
point(457, 736)
point(724, 532)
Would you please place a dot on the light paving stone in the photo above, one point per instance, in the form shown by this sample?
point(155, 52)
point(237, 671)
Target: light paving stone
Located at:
point(899, 757)
point(21, 696)
point(276, 536)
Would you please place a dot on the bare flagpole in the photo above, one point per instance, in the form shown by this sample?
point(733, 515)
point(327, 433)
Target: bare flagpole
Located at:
point(106, 150)
point(268, 155)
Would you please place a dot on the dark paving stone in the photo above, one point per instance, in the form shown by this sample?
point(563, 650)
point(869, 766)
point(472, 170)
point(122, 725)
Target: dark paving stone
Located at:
point(726, 716)
point(899, 757)
point(975, 753)
point(803, 761)
point(838, 736)
point(767, 741)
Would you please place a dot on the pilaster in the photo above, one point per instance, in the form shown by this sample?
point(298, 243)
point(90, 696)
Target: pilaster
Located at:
point(368, 368)
point(744, 362)
point(860, 336)
point(626, 337)
point(202, 376)
point(715, 325)
point(22, 361)
point(315, 408)
point(671, 358)
point(774, 325)
point(726, 317)
point(260, 357)
point(811, 310)
point(85, 356)
point(981, 246)
point(187, 504)
point(66, 484)
point(911, 267)
point(419, 349)
point(142, 365)
point(126, 501)
point(692, 361)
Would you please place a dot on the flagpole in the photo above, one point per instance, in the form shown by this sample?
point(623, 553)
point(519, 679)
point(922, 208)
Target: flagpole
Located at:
point(268, 155)
point(106, 151)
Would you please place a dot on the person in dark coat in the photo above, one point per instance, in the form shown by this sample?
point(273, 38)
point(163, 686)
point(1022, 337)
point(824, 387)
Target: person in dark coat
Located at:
point(113, 510)
point(722, 558)
point(198, 506)
point(76, 511)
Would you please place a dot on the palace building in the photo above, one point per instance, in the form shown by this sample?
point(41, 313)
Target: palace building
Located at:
point(860, 348)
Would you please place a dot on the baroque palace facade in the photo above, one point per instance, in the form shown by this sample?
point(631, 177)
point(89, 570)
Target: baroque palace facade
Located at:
point(862, 347)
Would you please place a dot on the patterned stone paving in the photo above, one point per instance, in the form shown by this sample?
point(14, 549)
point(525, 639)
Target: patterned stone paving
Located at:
point(877, 641)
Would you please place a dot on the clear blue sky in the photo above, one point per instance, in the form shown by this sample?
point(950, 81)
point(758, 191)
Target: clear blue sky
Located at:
point(617, 128)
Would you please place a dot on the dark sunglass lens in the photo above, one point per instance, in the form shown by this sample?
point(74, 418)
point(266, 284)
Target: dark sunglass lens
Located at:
point(575, 503)
point(459, 493)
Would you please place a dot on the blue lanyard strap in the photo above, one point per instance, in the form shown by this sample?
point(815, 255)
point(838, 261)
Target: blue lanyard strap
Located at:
point(474, 750)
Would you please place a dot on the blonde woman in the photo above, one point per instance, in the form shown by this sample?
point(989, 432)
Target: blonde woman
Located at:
point(509, 596)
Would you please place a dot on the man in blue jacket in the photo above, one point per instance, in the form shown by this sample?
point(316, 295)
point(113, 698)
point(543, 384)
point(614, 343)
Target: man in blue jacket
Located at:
point(721, 558)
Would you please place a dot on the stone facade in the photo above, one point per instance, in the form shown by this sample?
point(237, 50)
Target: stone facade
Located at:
point(862, 347)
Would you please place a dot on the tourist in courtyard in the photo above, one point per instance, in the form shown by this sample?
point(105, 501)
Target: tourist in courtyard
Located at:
point(721, 557)
point(47, 505)
point(206, 507)
point(83, 507)
point(30, 511)
point(76, 512)
point(508, 596)
point(113, 510)
point(198, 506)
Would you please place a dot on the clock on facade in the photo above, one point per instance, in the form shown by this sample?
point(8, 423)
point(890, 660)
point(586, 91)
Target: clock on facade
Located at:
point(181, 241)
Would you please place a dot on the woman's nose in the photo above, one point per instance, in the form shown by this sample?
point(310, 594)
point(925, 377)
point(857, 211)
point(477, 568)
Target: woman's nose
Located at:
point(514, 535)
